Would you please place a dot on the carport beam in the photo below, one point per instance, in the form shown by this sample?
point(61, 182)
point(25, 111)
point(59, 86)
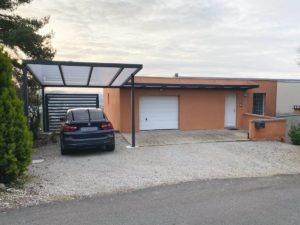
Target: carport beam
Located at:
point(132, 113)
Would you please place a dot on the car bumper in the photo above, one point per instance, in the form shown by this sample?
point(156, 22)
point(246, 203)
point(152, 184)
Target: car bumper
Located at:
point(88, 143)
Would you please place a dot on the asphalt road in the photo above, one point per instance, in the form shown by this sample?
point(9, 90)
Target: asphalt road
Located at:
point(272, 200)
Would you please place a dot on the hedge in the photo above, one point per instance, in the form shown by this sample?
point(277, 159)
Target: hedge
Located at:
point(15, 138)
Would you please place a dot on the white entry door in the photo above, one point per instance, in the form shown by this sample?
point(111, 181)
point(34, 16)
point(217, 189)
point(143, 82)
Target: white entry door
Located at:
point(230, 111)
point(158, 112)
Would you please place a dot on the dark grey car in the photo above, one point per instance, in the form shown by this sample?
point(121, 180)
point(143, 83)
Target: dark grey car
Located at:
point(86, 128)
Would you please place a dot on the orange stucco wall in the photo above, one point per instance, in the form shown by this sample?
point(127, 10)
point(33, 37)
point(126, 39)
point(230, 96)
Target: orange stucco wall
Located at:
point(274, 130)
point(198, 109)
point(247, 117)
point(194, 106)
point(270, 89)
point(111, 102)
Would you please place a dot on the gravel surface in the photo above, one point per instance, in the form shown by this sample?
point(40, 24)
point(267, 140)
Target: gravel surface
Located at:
point(99, 172)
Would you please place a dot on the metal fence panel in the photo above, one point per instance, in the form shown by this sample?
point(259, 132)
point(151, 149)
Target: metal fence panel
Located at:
point(56, 105)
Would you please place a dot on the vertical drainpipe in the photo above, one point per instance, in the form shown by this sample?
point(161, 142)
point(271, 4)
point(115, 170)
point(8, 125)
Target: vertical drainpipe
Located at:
point(132, 113)
point(25, 90)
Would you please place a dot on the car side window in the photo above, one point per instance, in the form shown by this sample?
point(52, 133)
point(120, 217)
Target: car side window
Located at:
point(104, 116)
point(68, 117)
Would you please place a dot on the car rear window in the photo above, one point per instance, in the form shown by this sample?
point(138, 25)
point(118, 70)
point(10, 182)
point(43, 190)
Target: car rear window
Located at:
point(96, 115)
point(83, 115)
point(80, 115)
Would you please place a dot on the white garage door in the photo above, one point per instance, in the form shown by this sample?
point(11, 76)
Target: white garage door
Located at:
point(158, 112)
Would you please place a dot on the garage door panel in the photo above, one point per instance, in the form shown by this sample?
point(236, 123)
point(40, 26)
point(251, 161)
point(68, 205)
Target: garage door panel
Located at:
point(158, 112)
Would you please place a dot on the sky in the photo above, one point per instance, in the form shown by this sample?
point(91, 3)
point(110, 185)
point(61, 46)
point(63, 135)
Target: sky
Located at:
point(202, 38)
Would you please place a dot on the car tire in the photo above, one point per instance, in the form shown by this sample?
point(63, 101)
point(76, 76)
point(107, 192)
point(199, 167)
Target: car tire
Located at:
point(110, 147)
point(63, 150)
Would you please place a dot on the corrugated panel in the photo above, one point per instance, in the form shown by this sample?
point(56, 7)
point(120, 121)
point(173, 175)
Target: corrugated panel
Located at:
point(58, 104)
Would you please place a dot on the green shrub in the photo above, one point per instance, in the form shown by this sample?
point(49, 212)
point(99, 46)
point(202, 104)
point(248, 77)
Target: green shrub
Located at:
point(15, 138)
point(294, 134)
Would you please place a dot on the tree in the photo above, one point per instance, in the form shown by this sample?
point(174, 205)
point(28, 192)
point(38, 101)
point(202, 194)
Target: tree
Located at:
point(15, 138)
point(20, 36)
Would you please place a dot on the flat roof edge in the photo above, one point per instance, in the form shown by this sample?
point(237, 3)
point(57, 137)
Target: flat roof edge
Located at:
point(221, 78)
point(71, 63)
point(191, 86)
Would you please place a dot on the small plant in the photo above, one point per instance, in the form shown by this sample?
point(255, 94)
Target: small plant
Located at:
point(53, 137)
point(294, 134)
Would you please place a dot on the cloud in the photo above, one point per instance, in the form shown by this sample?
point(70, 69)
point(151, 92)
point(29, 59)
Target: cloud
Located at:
point(192, 37)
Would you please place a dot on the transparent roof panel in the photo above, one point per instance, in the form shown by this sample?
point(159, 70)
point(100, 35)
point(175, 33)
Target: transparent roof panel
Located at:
point(102, 76)
point(46, 74)
point(84, 74)
point(126, 73)
point(76, 75)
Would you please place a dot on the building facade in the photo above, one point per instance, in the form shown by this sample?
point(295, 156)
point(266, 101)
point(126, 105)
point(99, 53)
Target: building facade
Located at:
point(190, 103)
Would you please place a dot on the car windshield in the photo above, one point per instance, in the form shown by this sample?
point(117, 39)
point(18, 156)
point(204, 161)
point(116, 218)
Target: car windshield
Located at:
point(88, 115)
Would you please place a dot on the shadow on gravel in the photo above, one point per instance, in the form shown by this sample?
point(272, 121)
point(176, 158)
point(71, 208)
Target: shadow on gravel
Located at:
point(88, 152)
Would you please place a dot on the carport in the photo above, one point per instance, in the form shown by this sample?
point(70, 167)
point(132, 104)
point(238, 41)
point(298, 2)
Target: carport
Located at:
point(80, 74)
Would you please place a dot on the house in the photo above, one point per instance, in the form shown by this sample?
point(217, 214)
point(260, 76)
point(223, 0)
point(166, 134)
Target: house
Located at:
point(163, 103)
point(190, 103)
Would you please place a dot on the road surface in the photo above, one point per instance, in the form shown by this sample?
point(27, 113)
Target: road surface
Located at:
point(244, 201)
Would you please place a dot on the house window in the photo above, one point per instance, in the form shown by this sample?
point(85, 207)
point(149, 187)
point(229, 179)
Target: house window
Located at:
point(258, 103)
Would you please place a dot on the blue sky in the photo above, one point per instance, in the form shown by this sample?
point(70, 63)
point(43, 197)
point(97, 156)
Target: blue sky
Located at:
point(233, 38)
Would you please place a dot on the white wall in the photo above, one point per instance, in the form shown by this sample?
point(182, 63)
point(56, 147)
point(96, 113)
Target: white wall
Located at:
point(288, 95)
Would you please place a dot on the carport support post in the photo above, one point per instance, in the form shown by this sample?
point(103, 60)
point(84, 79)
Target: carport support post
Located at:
point(25, 90)
point(44, 109)
point(132, 113)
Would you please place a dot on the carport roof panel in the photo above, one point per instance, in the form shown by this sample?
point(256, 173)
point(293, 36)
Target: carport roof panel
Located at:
point(81, 74)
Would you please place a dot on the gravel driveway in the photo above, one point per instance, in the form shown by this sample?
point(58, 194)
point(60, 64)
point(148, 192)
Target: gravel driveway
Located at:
point(99, 172)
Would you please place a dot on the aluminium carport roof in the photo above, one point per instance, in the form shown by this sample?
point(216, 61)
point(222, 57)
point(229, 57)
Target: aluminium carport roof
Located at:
point(80, 74)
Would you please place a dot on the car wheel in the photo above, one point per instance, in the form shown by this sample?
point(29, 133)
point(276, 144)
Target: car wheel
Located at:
point(110, 147)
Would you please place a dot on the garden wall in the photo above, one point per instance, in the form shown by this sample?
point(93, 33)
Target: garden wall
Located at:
point(274, 128)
